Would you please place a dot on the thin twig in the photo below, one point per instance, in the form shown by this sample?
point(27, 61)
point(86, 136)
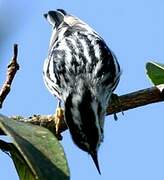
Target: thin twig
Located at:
point(11, 72)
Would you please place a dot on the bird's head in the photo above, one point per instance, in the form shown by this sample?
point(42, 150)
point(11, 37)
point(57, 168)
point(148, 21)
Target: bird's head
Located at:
point(55, 18)
point(84, 116)
point(61, 21)
point(60, 16)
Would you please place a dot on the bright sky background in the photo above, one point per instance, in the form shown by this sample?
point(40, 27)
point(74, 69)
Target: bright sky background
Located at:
point(133, 147)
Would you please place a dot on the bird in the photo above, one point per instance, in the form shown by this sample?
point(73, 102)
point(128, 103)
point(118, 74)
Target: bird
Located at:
point(82, 72)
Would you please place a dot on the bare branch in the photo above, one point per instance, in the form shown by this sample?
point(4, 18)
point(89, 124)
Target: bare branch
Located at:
point(136, 99)
point(11, 71)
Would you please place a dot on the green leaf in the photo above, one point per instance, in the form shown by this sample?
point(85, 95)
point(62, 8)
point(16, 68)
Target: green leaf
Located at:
point(155, 72)
point(38, 154)
point(22, 167)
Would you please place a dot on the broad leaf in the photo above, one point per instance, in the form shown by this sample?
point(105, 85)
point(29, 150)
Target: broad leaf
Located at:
point(38, 154)
point(155, 72)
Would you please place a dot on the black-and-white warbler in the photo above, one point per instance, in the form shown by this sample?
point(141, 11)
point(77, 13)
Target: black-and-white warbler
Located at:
point(82, 72)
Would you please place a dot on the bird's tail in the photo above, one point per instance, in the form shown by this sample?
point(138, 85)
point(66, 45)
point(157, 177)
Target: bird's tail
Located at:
point(95, 160)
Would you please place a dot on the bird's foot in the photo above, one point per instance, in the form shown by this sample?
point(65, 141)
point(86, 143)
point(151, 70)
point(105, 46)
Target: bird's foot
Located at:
point(58, 118)
point(115, 98)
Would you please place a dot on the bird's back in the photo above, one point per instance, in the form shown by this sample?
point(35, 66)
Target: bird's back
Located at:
point(80, 54)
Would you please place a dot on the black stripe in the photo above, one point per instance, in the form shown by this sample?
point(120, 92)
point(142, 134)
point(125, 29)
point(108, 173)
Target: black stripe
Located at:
point(55, 18)
point(108, 69)
point(55, 89)
point(58, 58)
point(88, 132)
point(47, 73)
point(115, 58)
point(62, 11)
point(77, 66)
point(81, 51)
point(70, 46)
point(90, 47)
point(75, 132)
point(88, 119)
point(69, 32)
point(74, 63)
point(91, 50)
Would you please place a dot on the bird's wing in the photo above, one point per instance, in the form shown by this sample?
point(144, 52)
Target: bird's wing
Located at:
point(51, 76)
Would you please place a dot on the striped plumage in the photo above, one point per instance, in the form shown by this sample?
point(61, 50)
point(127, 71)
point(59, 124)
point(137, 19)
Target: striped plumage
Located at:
point(82, 72)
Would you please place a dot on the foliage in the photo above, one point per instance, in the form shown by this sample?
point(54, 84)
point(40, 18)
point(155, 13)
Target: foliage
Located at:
point(155, 72)
point(36, 152)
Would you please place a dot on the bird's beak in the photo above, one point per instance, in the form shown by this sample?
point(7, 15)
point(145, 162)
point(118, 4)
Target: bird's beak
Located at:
point(45, 15)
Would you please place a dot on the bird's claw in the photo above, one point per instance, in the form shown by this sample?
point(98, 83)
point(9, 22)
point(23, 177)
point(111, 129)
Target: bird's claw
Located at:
point(58, 117)
point(115, 98)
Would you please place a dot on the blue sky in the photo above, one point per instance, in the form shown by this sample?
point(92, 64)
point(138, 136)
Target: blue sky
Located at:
point(133, 146)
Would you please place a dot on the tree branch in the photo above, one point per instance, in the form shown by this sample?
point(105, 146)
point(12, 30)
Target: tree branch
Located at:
point(126, 102)
point(137, 99)
point(11, 71)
